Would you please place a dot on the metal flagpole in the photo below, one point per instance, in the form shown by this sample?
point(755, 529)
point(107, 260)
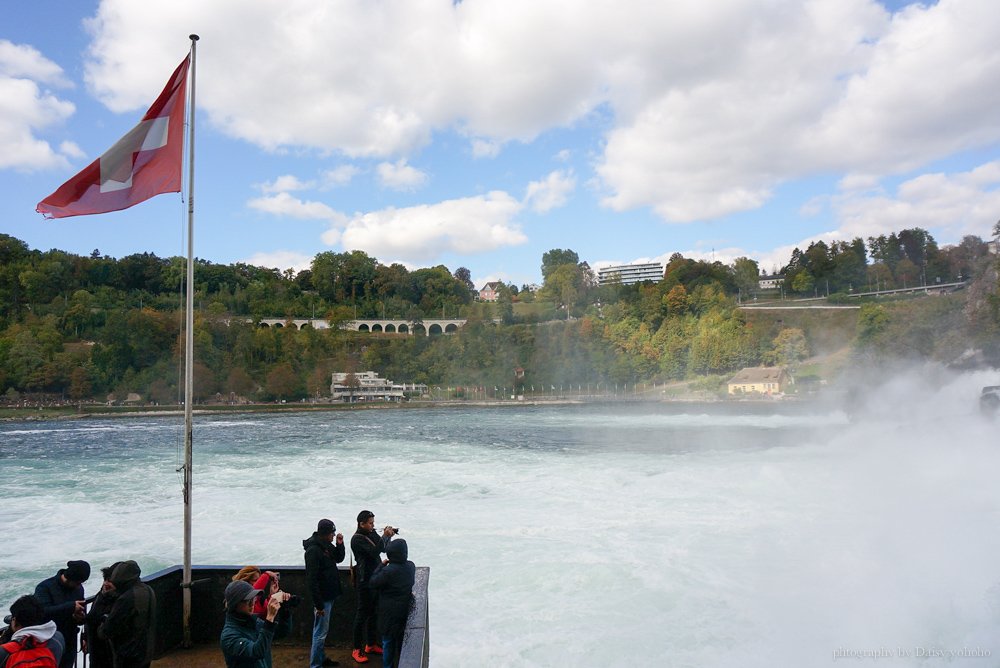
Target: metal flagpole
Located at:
point(189, 362)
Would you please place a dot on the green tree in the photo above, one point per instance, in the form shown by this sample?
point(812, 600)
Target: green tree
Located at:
point(790, 347)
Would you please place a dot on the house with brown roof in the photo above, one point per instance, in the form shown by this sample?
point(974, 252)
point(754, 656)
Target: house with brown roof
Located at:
point(760, 380)
point(490, 291)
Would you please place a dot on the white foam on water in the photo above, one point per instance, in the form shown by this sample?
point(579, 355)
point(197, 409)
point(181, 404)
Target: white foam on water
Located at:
point(551, 543)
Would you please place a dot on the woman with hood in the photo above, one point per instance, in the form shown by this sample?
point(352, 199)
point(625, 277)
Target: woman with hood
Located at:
point(97, 648)
point(393, 582)
point(130, 625)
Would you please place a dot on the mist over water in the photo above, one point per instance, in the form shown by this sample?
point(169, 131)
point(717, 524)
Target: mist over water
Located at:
point(667, 534)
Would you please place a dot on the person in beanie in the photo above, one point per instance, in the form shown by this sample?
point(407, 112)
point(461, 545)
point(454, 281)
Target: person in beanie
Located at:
point(366, 545)
point(323, 551)
point(31, 635)
point(130, 624)
point(393, 582)
point(246, 639)
point(62, 598)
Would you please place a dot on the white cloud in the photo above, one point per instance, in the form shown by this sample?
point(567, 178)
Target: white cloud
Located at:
point(286, 183)
point(286, 206)
point(26, 110)
point(949, 205)
point(710, 106)
point(400, 176)
point(482, 148)
point(21, 61)
point(422, 233)
point(280, 259)
point(339, 176)
point(551, 192)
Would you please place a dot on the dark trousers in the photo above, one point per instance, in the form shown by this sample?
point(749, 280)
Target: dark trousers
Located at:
point(364, 620)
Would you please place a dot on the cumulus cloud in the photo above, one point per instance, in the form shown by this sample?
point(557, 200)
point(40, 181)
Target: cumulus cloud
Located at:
point(400, 176)
point(551, 192)
point(26, 109)
point(710, 106)
point(287, 206)
point(422, 233)
point(286, 183)
point(339, 176)
point(482, 148)
point(953, 204)
point(280, 259)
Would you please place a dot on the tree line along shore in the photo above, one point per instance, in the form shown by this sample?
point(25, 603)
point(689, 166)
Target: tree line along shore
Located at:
point(88, 330)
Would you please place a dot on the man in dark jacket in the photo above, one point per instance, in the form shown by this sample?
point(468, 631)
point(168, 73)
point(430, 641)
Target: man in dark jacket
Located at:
point(62, 597)
point(322, 557)
point(246, 639)
point(393, 582)
point(367, 547)
point(130, 625)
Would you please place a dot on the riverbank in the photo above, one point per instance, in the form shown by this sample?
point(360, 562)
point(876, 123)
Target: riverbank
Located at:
point(95, 411)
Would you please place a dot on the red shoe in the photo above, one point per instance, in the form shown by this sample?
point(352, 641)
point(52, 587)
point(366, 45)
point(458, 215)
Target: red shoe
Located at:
point(359, 656)
point(373, 649)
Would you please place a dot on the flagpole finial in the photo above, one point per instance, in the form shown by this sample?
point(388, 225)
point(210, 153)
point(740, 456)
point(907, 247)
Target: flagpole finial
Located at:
point(193, 38)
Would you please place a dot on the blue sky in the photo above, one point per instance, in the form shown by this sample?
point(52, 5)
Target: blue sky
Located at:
point(482, 134)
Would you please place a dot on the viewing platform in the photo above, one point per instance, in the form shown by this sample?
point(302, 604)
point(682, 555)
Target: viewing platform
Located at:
point(208, 618)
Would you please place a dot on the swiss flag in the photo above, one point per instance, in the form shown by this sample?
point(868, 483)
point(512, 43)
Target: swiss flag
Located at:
point(145, 162)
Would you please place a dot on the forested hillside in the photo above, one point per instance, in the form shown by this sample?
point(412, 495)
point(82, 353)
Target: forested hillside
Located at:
point(81, 327)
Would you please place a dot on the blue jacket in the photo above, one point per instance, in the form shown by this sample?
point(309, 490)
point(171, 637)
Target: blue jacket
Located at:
point(246, 639)
point(59, 602)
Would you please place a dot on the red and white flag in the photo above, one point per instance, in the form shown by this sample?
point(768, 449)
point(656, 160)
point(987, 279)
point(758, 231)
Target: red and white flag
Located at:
point(145, 162)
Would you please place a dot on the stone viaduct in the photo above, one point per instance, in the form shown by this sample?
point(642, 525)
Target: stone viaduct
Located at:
point(427, 327)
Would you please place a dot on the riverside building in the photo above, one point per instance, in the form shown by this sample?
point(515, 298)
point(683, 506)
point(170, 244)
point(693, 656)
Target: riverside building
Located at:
point(367, 386)
point(627, 274)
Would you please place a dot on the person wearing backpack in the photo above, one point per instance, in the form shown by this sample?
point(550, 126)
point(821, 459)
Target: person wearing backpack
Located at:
point(35, 643)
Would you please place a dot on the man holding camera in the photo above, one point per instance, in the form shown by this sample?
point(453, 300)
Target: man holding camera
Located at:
point(246, 639)
point(322, 557)
point(367, 545)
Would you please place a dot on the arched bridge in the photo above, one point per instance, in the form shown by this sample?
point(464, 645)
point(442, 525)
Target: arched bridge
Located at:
point(377, 326)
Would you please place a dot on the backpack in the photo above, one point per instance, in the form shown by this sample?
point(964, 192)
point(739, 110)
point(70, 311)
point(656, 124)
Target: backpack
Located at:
point(26, 654)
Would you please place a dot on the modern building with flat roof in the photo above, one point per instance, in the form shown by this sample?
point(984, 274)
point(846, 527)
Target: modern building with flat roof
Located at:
point(367, 386)
point(627, 274)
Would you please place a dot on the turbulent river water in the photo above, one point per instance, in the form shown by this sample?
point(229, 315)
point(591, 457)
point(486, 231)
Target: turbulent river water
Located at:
point(660, 534)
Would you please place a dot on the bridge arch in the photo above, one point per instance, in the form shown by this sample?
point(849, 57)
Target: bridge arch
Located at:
point(404, 328)
point(376, 328)
point(419, 329)
point(434, 329)
point(390, 328)
point(363, 328)
point(451, 328)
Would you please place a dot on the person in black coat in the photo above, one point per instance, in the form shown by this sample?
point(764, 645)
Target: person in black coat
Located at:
point(130, 625)
point(62, 598)
point(367, 547)
point(97, 648)
point(323, 551)
point(393, 582)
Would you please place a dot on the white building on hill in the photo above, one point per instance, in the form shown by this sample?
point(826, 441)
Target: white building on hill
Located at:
point(627, 274)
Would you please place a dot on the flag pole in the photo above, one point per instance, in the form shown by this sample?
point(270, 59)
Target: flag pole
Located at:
point(189, 363)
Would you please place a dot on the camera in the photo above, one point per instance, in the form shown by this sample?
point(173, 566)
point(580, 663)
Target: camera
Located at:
point(292, 601)
point(395, 530)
